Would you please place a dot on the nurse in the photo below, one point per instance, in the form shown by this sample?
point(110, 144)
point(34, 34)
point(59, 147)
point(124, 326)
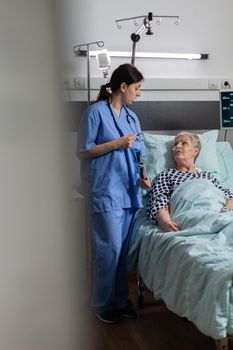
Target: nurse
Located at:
point(111, 150)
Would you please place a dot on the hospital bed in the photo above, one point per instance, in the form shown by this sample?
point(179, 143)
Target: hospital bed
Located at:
point(191, 270)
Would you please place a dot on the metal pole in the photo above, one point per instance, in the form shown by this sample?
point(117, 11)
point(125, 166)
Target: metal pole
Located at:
point(78, 52)
point(133, 53)
point(88, 77)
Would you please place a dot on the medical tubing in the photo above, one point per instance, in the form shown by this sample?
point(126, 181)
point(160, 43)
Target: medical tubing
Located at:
point(142, 170)
point(143, 173)
point(125, 150)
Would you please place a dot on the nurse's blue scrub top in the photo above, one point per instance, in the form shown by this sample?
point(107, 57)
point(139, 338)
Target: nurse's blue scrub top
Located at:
point(111, 181)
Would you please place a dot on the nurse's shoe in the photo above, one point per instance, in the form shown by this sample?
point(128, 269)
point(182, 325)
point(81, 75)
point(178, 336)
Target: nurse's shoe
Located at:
point(107, 316)
point(128, 312)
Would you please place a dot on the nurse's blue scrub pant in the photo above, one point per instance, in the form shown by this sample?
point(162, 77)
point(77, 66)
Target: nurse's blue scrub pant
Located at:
point(110, 239)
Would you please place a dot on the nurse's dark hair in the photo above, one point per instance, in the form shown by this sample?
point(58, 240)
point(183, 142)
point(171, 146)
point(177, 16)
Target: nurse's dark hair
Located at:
point(125, 73)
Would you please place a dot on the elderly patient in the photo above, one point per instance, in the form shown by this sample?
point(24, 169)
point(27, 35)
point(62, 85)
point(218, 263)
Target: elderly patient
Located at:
point(186, 148)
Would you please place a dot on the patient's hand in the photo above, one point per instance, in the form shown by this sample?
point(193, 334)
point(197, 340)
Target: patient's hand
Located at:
point(145, 183)
point(165, 221)
point(229, 204)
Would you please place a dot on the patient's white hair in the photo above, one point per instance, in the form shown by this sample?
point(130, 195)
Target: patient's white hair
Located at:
point(194, 138)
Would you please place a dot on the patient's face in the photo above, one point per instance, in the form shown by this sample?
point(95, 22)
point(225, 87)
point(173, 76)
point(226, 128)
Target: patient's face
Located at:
point(183, 149)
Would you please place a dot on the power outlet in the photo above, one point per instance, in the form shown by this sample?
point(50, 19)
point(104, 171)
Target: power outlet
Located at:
point(213, 84)
point(79, 83)
point(225, 84)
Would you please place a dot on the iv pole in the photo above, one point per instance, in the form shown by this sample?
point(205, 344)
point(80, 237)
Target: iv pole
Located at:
point(79, 52)
point(135, 37)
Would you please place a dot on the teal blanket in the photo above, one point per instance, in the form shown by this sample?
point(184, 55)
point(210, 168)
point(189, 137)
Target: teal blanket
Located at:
point(192, 269)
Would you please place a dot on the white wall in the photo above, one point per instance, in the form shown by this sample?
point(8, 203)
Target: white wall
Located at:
point(205, 27)
point(42, 267)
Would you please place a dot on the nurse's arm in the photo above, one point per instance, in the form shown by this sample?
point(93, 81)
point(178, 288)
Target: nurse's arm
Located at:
point(103, 148)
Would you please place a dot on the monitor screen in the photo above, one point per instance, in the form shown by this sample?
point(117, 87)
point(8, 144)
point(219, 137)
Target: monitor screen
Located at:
point(226, 109)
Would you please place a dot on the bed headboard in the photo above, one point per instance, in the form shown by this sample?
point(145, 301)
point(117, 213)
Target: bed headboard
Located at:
point(174, 115)
point(162, 115)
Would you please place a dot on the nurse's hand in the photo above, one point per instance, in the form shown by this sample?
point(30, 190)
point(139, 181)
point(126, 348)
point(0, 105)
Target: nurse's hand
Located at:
point(145, 183)
point(103, 148)
point(125, 141)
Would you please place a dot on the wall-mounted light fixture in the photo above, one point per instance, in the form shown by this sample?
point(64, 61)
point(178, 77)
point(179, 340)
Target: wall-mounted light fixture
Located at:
point(189, 56)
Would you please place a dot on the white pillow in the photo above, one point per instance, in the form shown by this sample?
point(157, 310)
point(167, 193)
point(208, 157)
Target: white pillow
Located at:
point(225, 159)
point(158, 156)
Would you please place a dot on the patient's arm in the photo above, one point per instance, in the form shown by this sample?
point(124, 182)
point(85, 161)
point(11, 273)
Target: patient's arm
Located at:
point(165, 221)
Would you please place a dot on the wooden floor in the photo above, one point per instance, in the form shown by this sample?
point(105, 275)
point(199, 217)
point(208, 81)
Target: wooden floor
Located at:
point(156, 328)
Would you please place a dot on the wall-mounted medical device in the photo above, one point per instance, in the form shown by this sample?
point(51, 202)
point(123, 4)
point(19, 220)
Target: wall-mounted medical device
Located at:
point(226, 109)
